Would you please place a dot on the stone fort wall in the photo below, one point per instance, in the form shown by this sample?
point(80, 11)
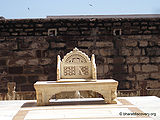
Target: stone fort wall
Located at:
point(126, 49)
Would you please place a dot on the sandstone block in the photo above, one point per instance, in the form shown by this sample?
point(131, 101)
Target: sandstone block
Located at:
point(130, 68)
point(149, 68)
point(106, 52)
point(143, 43)
point(22, 33)
point(39, 25)
point(152, 28)
point(142, 76)
point(106, 68)
point(136, 51)
point(131, 60)
point(33, 62)
point(153, 84)
point(109, 60)
point(29, 30)
point(100, 69)
point(137, 68)
point(155, 60)
point(33, 70)
point(14, 34)
point(10, 45)
point(104, 44)
point(57, 45)
point(155, 75)
point(144, 59)
point(45, 61)
point(131, 78)
point(153, 51)
point(85, 43)
point(19, 30)
point(39, 44)
point(130, 43)
point(125, 52)
point(21, 62)
point(62, 29)
point(25, 25)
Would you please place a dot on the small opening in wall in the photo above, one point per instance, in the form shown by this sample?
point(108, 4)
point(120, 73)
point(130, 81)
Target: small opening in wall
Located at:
point(117, 32)
point(52, 32)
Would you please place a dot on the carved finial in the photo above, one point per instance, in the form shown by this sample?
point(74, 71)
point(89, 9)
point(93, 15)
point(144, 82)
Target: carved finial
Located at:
point(75, 49)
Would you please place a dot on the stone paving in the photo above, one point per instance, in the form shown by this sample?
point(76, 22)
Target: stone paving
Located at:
point(128, 108)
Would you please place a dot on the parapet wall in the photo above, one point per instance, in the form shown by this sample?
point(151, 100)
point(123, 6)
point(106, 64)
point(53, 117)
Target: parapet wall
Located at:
point(126, 49)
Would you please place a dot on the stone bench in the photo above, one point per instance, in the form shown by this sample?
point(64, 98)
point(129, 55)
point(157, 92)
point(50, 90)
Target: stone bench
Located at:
point(46, 89)
point(76, 72)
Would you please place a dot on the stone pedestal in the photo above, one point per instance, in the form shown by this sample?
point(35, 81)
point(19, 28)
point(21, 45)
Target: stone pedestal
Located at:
point(46, 89)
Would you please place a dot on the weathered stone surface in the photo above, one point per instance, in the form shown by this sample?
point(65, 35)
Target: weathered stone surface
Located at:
point(106, 69)
point(20, 62)
point(33, 79)
point(33, 62)
point(137, 68)
point(142, 76)
point(143, 43)
point(62, 29)
point(125, 52)
point(57, 45)
point(106, 52)
point(155, 59)
point(131, 60)
point(104, 44)
point(85, 43)
point(153, 51)
point(10, 45)
point(149, 68)
point(22, 41)
point(26, 53)
point(45, 61)
point(155, 75)
point(130, 43)
point(15, 70)
point(144, 59)
point(33, 70)
point(3, 62)
point(136, 51)
point(20, 79)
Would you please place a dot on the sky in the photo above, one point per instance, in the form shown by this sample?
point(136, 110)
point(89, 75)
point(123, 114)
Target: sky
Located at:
point(41, 8)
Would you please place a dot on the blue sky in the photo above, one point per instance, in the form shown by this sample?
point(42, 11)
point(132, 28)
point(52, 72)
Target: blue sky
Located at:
point(42, 8)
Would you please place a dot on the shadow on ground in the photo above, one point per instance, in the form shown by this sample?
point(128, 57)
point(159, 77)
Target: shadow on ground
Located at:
point(66, 102)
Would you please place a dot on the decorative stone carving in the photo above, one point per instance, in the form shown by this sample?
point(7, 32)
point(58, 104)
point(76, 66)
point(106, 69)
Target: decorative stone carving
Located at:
point(76, 65)
point(11, 90)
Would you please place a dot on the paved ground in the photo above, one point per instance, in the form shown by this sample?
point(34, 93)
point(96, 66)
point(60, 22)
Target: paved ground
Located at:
point(128, 108)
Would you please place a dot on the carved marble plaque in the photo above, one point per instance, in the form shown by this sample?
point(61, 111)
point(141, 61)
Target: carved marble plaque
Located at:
point(76, 65)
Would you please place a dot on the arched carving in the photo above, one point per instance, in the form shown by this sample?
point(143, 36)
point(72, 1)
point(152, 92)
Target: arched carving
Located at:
point(76, 56)
point(76, 65)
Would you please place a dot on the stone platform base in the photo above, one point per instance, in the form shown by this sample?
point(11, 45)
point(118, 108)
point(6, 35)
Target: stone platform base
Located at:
point(83, 109)
point(46, 89)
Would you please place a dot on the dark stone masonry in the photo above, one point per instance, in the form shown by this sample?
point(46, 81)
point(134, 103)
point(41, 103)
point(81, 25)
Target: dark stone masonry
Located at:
point(127, 48)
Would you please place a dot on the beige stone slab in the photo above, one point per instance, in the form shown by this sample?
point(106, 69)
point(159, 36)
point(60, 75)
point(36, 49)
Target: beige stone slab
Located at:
point(76, 80)
point(46, 89)
point(82, 109)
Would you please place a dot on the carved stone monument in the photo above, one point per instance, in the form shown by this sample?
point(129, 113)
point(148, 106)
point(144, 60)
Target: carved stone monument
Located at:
point(76, 66)
point(76, 72)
